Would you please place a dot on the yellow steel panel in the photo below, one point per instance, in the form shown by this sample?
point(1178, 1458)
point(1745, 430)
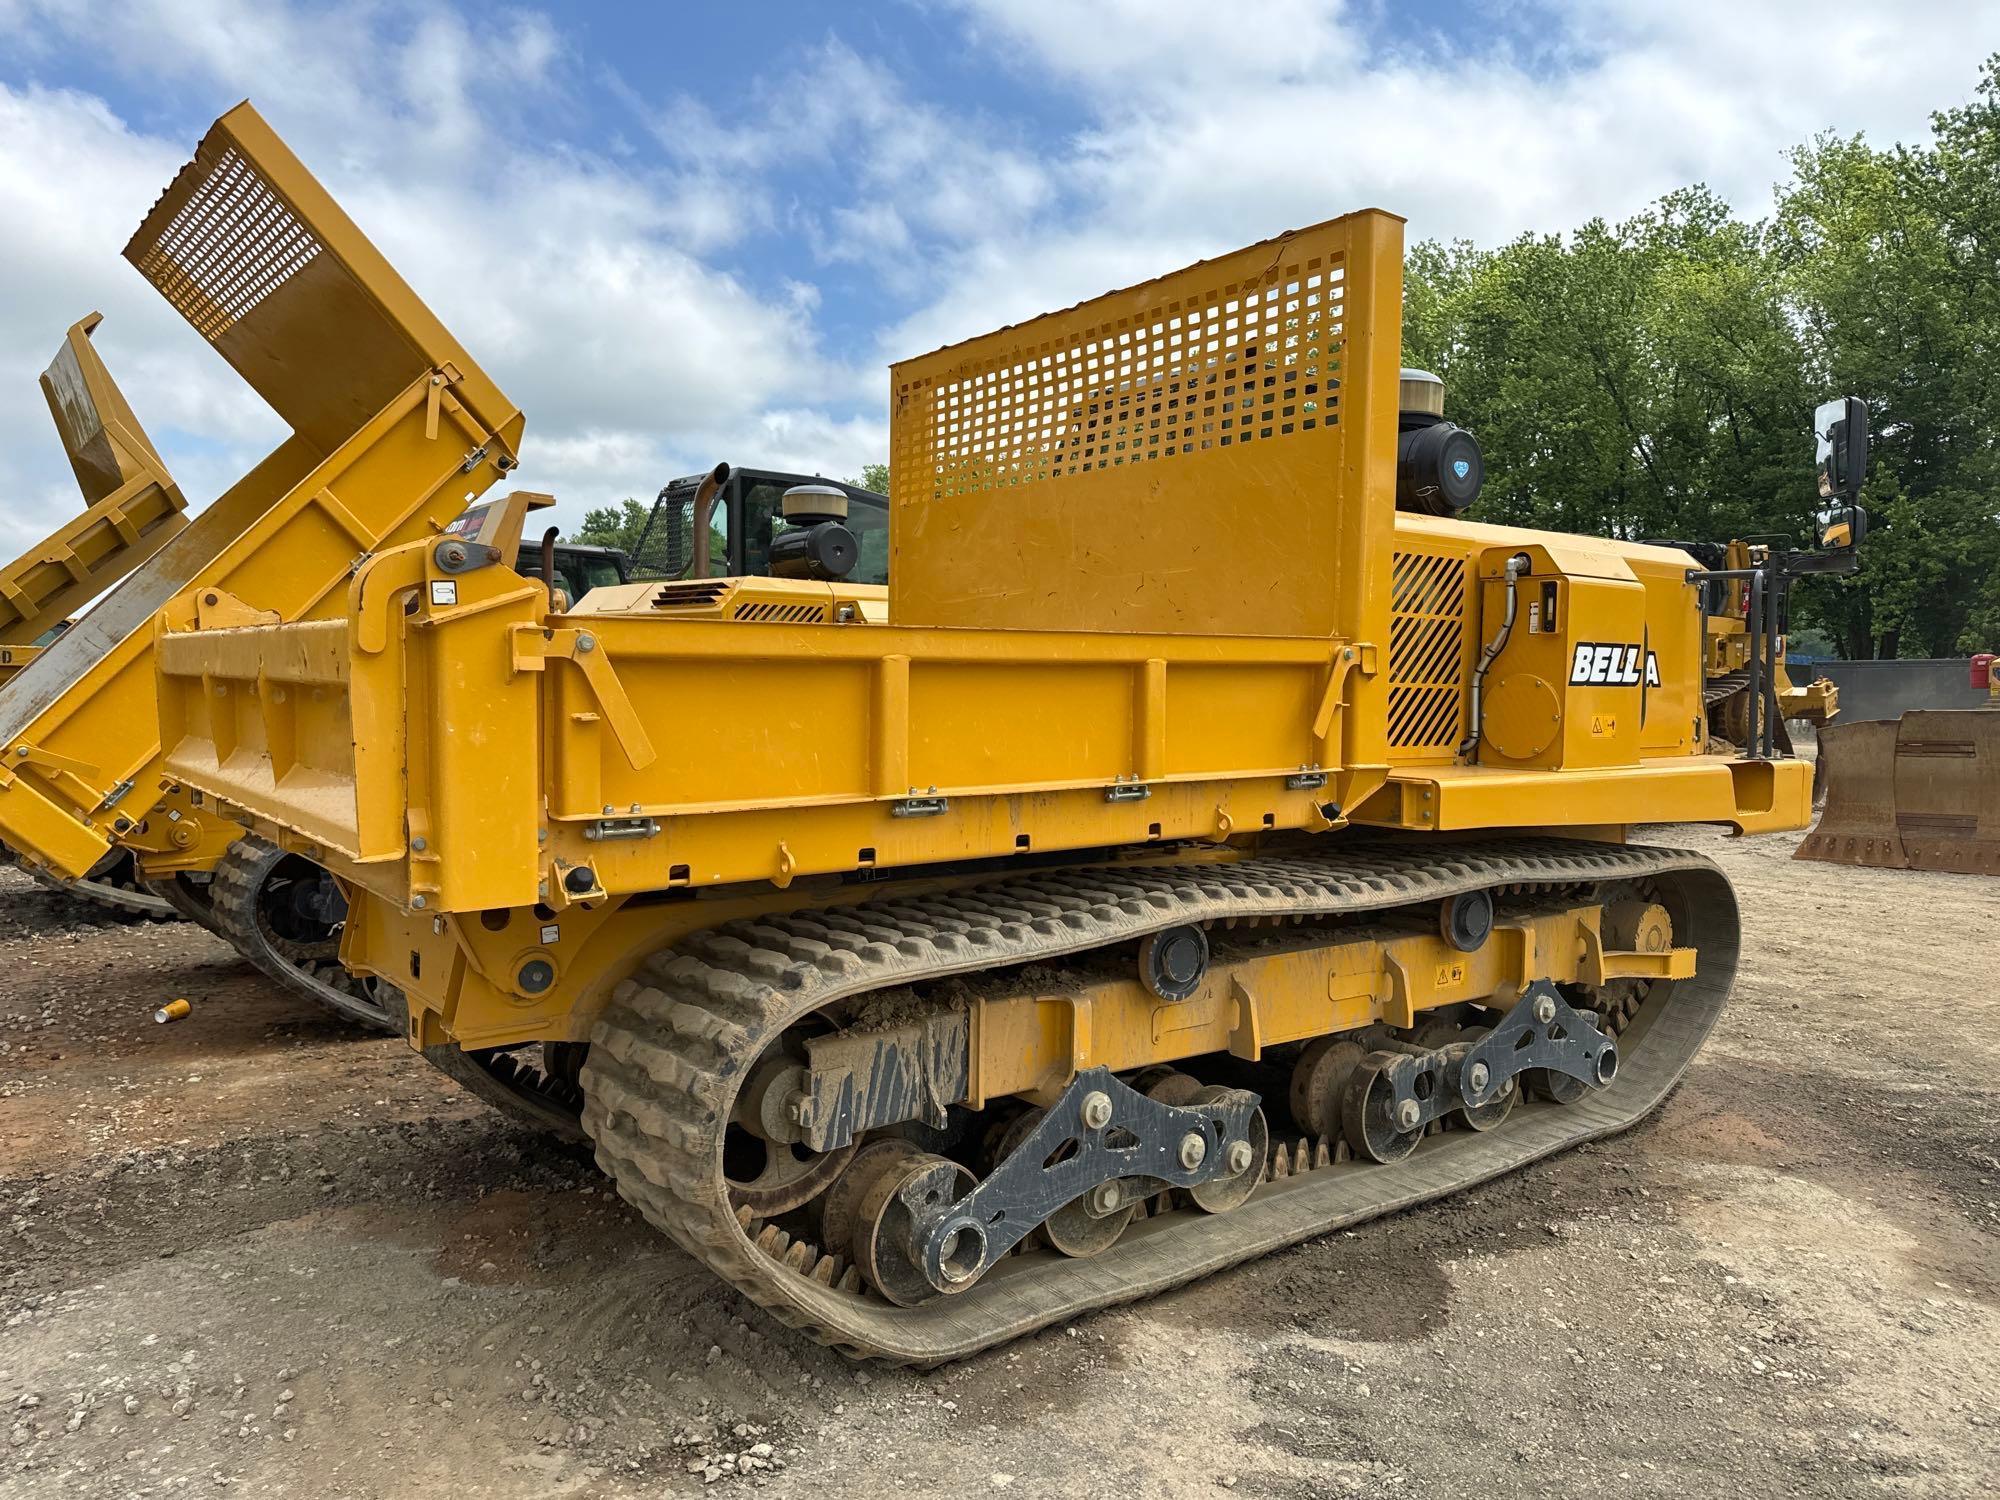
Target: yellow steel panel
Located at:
point(261, 261)
point(134, 508)
point(1199, 453)
point(1228, 718)
point(102, 437)
point(970, 730)
point(388, 450)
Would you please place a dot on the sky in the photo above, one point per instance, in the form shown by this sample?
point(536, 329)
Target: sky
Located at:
point(678, 233)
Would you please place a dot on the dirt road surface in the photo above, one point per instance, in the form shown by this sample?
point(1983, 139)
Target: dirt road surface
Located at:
point(256, 1252)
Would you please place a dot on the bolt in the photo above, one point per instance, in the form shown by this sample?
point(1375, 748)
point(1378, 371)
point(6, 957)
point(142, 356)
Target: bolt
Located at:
point(451, 554)
point(1104, 1198)
point(1545, 1010)
point(1477, 1078)
point(417, 903)
point(801, 1110)
point(1239, 1158)
point(1407, 1115)
point(586, 643)
point(22, 752)
point(1096, 1110)
point(420, 843)
point(1194, 1150)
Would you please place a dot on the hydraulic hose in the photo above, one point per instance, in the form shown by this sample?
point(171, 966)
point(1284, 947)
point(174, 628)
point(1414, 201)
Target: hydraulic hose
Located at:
point(1475, 720)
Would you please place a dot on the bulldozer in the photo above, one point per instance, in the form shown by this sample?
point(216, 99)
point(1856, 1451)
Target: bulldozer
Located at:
point(1727, 646)
point(1204, 840)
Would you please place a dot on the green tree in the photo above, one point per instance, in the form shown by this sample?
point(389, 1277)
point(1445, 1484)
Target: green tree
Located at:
point(614, 525)
point(1657, 378)
point(873, 477)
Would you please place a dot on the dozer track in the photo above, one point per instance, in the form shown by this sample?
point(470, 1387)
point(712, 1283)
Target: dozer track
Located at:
point(672, 1051)
point(301, 955)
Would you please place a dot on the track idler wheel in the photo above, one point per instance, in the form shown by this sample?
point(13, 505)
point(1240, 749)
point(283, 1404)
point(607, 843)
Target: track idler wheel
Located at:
point(1243, 1166)
point(1319, 1083)
point(1368, 1113)
point(909, 1192)
point(791, 1174)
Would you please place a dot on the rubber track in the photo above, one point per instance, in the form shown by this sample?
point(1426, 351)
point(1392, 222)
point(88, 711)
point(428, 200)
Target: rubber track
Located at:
point(233, 899)
point(130, 903)
point(672, 1048)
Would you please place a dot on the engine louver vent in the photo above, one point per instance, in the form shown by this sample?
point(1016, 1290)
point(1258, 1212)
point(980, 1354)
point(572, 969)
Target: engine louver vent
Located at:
point(1427, 644)
point(694, 591)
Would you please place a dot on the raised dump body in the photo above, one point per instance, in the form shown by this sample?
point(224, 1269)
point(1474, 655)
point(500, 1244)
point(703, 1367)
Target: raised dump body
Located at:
point(1194, 823)
point(394, 428)
point(132, 507)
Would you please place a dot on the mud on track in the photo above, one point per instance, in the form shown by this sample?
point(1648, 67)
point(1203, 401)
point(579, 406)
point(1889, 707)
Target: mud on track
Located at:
point(262, 1252)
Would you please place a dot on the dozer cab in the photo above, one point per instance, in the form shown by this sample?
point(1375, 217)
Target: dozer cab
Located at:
point(1217, 842)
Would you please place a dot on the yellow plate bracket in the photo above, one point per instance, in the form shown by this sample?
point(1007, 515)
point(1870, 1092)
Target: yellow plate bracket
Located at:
point(534, 645)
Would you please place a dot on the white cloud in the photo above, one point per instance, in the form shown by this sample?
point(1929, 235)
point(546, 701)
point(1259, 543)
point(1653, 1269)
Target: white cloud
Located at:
point(571, 277)
point(1210, 131)
point(586, 277)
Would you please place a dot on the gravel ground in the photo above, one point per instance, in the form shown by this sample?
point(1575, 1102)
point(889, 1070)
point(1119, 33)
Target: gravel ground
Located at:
point(257, 1251)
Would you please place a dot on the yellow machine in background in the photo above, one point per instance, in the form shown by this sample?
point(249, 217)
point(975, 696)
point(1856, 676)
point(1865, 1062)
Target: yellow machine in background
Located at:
point(132, 508)
point(1197, 827)
point(394, 431)
point(1727, 649)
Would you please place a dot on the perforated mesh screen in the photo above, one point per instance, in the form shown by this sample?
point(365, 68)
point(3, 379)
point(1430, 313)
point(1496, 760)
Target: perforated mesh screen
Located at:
point(1237, 363)
point(1427, 647)
point(227, 248)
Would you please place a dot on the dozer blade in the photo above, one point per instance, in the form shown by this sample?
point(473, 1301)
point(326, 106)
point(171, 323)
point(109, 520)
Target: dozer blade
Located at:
point(1918, 793)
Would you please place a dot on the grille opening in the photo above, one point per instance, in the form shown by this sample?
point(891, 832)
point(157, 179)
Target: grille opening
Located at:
point(1428, 595)
point(229, 246)
point(691, 592)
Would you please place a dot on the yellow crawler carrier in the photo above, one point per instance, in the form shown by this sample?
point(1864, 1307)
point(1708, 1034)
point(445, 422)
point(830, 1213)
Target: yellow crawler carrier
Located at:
point(394, 430)
point(1201, 855)
point(132, 508)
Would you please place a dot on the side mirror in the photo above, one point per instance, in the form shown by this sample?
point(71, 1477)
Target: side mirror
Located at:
point(1842, 457)
point(1842, 528)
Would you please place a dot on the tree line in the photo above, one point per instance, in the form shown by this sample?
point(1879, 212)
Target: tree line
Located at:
point(1657, 378)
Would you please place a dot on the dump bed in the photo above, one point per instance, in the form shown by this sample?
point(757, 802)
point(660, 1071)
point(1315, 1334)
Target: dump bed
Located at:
point(132, 507)
point(394, 429)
